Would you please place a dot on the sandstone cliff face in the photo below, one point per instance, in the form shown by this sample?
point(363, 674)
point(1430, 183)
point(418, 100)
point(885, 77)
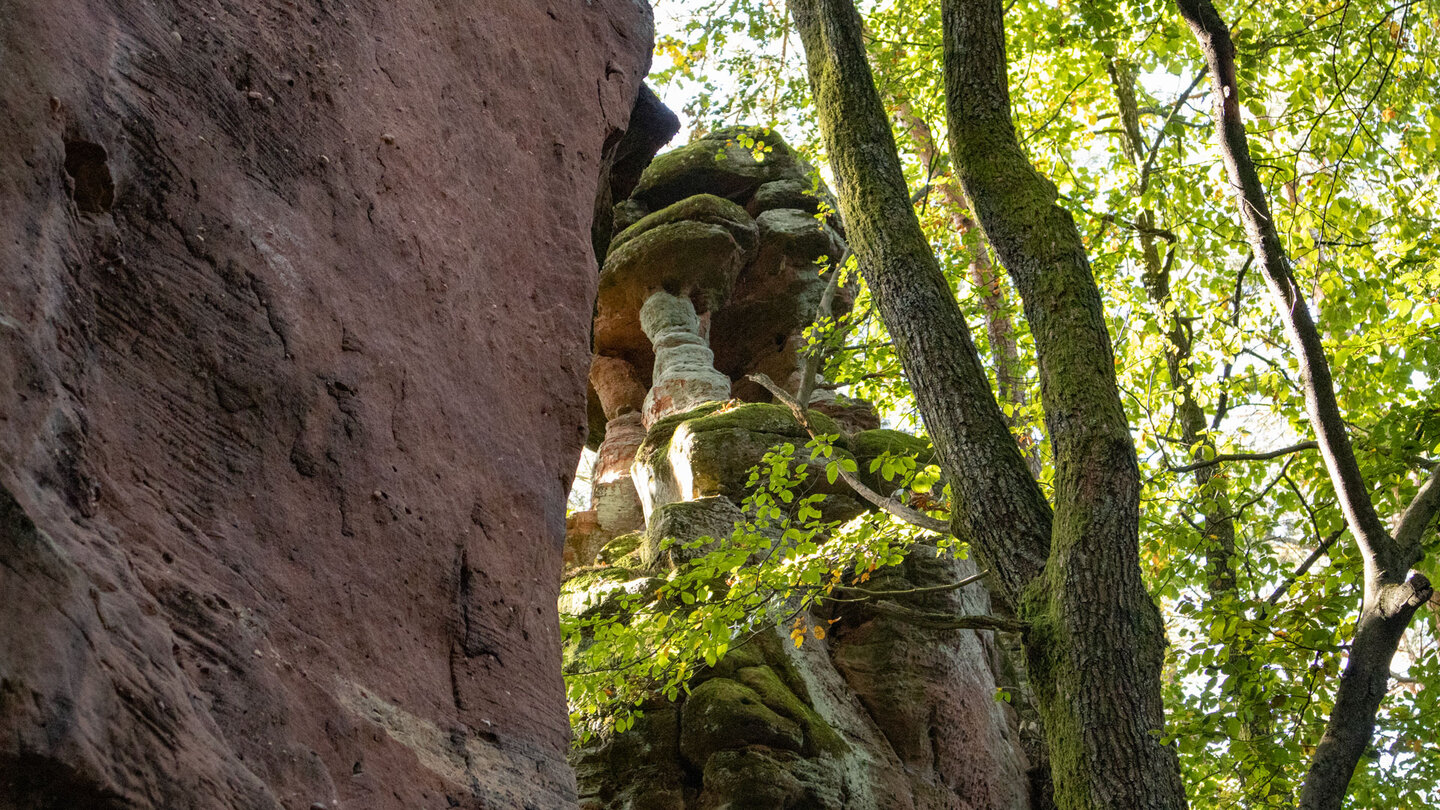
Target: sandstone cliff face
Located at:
point(294, 316)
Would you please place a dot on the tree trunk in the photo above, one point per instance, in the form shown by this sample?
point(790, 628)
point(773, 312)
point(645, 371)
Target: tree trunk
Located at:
point(1390, 598)
point(1095, 644)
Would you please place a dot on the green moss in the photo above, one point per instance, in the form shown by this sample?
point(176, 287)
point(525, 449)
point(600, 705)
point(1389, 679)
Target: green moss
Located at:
point(705, 208)
point(655, 450)
point(684, 254)
point(587, 592)
point(621, 547)
point(722, 714)
point(719, 164)
point(819, 736)
point(868, 445)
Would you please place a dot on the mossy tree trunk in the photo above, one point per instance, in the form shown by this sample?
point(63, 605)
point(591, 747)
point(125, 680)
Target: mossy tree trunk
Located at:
point(1095, 644)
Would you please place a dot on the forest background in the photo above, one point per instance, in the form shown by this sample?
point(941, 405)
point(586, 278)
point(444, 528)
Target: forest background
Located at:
point(1244, 543)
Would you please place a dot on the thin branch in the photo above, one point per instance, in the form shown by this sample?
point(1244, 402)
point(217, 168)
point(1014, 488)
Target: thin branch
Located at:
point(1304, 567)
point(1266, 456)
point(1160, 136)
point(1374, 542)
point(953, 586)
point(947, 621)
point(889, 505)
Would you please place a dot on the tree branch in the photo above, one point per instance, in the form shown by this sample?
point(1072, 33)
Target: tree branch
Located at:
point(1304, 567)
point(890, 505)
point(1417, 517)
point(1266, 456)
point(1160, 136)
point(1374, 542)
point(947, 621)
point(952, 586)
point(999, 508)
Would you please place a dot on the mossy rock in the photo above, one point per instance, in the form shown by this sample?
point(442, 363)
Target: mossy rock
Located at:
point(622, 548)
point(627, 213)
point(677, 256)
point(637, 770)
point(719, 164)
point(798, 235)
point(684, 522)
point(590, 591)
point(705, 208)
point(819, 736)
point(790, 193)
point(749, 780)
point(719, 446)
point(722, 714)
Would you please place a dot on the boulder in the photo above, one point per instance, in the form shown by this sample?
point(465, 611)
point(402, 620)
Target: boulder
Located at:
point(721, 714)
point(698, 260)
point(705, 208)
point(790, 193)
point(752, 779)
point(776, 296)
point(675, 526)
point(721, 163)
point(711, 450)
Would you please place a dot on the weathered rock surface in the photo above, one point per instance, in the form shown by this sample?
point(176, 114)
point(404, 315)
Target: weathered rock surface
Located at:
point(294, 310)
point(876, 714)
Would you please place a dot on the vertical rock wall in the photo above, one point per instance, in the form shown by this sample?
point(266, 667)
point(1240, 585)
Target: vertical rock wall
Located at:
point(294, 307)
point(880, 714)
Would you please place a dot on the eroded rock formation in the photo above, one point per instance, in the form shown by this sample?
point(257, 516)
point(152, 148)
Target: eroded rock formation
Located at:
point(294, 309)
point(879, 714)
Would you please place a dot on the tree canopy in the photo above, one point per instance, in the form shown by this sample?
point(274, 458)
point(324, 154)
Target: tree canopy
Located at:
point(1259, 561)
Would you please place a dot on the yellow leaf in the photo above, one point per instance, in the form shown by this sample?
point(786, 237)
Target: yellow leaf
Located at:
point(819, 633)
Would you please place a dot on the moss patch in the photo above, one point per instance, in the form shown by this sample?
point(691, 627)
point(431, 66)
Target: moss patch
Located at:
point(868, 445)
point(722, 714)
point(819, 736)
point(621, 547)
point(720, 164)
point(705, 208)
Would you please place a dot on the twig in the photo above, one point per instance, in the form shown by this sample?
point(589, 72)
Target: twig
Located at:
point(1304, 567)
point(953, 586)
point(1266, 456)
point(947, 621)
point(890, 505)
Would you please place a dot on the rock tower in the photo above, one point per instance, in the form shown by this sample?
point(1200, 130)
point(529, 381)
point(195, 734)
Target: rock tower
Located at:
point(713, 275)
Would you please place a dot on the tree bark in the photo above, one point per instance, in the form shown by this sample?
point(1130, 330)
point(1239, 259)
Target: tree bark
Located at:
point(1095, 644)
point(1390, 599)
point(989, 284)
point(1000, 509)
point(1106, 752)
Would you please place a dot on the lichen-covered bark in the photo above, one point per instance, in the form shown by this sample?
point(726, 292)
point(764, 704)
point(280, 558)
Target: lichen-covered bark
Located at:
point(1095, 624)
point(1003, 512)
point(1096, 644)
point(988, 280)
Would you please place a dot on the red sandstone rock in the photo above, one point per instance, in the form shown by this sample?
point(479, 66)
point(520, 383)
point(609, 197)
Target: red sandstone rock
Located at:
point(294, 312)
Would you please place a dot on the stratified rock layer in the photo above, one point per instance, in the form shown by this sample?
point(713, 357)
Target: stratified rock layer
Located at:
point(294, 308)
